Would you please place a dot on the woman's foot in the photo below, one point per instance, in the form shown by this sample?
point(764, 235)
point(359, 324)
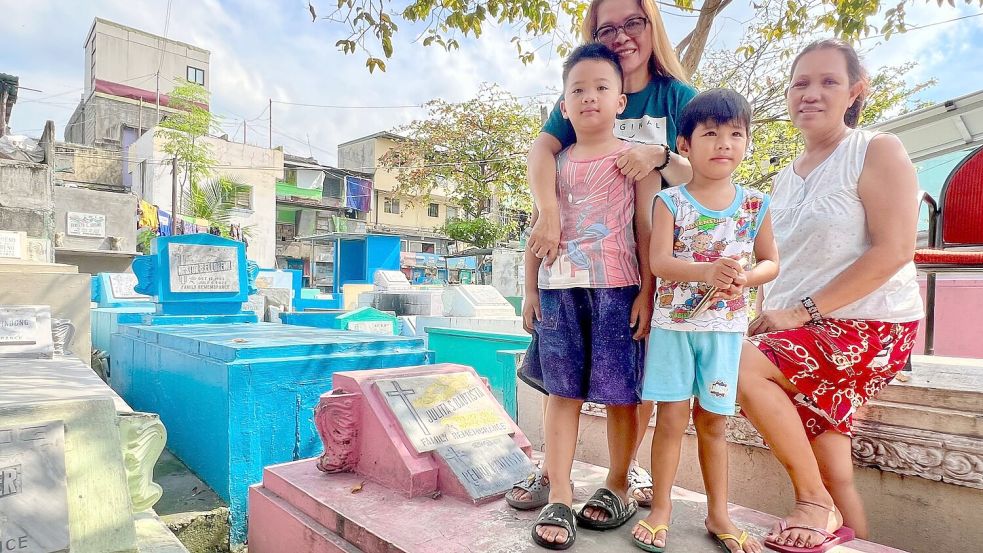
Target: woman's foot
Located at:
point(720, 526)
point(805, 515)
point(658, 517)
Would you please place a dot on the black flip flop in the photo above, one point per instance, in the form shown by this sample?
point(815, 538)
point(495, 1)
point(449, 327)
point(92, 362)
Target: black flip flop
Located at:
point(555, 514)
point(619, 512)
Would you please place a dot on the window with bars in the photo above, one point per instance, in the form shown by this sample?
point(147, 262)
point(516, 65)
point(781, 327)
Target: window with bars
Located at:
point(452, 212)
point(433, 210)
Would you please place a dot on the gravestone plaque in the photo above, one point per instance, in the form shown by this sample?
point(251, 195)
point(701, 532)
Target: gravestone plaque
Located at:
point(91, 225)
point(11, 244)
point(487, 467)
point(373, 327)
point(476, 300)
point(25, 331)
point(33, 488)
point(256, 304)
point(201, 268)
point(443, 409)
point(390, 280)
point(122, 284)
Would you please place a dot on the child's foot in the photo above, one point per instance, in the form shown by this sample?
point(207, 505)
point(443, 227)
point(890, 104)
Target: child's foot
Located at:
point(601, 515)
point(531, 493)
point(659, 517)
point(640, 485)
point(555, 528)
point(721, 526)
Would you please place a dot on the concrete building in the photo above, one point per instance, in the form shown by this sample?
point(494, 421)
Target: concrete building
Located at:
point(125, 69)
point(258, 168)
point(315, 199)
point(416, 220)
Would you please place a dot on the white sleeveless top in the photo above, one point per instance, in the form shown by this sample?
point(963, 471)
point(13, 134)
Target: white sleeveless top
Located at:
point(821, 229)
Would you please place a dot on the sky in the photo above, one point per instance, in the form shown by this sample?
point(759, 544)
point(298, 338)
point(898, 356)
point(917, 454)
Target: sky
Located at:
point(262, 50)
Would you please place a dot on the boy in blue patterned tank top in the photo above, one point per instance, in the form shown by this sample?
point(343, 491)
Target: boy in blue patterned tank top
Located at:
point(706, 237)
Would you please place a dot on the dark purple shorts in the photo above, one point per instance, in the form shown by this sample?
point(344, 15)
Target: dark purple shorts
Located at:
point(583, 349)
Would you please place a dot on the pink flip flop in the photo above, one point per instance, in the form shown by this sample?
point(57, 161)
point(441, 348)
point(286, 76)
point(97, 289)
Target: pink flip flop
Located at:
point(841, 536)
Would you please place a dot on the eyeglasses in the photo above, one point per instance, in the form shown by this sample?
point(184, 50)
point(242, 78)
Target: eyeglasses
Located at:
point(633, 27)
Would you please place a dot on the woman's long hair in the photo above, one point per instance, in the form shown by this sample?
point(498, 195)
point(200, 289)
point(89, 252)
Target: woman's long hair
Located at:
point(663, 60)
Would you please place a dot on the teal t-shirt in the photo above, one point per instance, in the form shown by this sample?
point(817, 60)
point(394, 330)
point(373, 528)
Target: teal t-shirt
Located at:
point(649, 118)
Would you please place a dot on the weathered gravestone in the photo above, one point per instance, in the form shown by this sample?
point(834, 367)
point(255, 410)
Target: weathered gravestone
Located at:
point(12, 244)
point(196, 278)
point(422, 430)
point(385, 281)
point(117, 290)
point(476, 300)
point(33, 489)
point(25, 331)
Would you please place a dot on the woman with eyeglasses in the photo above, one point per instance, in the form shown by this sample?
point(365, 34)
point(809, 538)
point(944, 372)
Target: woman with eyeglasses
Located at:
point(657, 90)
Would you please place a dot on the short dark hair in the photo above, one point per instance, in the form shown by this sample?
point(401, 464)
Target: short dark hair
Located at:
point(719, 105)
point(854, 69)
point(592, 51)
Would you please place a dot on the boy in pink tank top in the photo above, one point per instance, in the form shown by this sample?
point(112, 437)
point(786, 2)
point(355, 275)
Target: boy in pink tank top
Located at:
point(582, 308)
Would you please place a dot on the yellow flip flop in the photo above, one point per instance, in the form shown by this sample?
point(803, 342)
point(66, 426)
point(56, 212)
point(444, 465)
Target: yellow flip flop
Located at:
point(722, 538)
point(648, 546)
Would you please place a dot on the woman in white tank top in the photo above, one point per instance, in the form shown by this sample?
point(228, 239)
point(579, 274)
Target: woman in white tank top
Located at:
point(840, 320)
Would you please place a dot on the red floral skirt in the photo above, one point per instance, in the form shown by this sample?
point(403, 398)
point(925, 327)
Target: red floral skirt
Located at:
point(837, 365)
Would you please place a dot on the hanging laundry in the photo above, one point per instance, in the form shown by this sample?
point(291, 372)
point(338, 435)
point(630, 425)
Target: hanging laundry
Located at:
point(147, 216)
point(166, 223)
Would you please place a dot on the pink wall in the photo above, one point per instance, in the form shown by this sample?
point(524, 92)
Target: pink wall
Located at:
point(958, 316)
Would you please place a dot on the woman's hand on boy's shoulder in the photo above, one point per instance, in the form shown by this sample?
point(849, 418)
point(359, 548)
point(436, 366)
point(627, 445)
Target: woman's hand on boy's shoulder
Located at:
point(640, 160)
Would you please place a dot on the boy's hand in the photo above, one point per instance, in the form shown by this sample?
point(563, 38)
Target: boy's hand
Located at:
point(544, 241)
point(641, 316)
point(531, 311)
point(735, 290)
point(723, 272)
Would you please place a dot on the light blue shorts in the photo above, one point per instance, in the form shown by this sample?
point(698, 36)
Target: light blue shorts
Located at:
point(683, 364)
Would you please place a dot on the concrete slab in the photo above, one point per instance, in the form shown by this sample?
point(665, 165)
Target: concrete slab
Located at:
point(100, 517)
point(61, 378)
point(944, 382)
point(298, 508)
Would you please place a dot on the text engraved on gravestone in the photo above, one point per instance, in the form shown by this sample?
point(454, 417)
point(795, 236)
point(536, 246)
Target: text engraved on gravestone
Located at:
point(18, 326)
point(198, 268)
point(25, 331)
point(91, 225)
point(122, 286)
point(374, 327)
point(488, 466)
point(443, 409)
point(33, 488)
point(10, 244)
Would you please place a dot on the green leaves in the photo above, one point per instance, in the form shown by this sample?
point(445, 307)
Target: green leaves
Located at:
point(474, 154)
point(371, 25)
point(481, 232)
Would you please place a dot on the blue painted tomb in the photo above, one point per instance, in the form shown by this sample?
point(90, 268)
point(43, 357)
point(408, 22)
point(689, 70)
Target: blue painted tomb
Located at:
point(238, 397)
